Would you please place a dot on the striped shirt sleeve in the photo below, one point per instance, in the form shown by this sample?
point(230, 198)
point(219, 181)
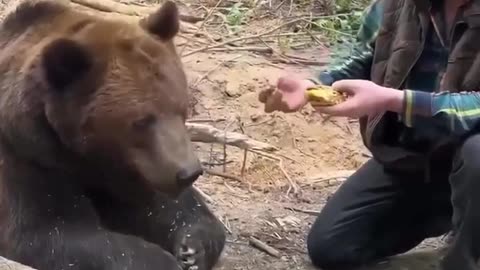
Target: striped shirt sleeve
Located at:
point(357, 64)
point(457, 112)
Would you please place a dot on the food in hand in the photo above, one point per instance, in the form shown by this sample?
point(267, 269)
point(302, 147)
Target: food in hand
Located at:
point(322, 95)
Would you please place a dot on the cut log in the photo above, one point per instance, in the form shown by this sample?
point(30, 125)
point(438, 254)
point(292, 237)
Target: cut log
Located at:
point(209, 134)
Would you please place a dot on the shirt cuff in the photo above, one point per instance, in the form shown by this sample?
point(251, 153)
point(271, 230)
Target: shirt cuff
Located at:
point(416, 103)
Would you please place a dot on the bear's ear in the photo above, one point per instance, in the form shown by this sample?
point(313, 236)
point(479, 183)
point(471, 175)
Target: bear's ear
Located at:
point(64, 61)
point(164, 23)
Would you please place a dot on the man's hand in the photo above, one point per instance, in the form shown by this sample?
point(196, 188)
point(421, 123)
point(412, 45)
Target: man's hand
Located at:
point(289, 95)
point(364, 98)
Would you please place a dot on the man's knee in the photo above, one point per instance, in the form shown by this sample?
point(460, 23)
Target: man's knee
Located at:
point(326, 250)
point(322, 252)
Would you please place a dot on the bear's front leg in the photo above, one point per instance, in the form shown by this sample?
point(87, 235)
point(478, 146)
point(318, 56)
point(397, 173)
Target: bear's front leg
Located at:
point(198, 247)
point(77, 249)
point(198, 237)
point(185, 227)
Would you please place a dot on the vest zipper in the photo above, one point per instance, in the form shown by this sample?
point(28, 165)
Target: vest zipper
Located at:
point(419, 53)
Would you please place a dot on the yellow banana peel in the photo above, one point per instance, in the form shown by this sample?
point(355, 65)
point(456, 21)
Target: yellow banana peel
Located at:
point(322, 95)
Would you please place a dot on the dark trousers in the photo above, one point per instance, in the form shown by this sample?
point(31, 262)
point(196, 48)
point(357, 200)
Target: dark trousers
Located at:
point(377, 214)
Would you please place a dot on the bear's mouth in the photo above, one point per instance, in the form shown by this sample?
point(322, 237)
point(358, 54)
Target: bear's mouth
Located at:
point(169, 190)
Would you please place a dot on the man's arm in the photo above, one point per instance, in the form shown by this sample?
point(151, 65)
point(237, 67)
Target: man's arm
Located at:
point(458, 112)
point(357, 65)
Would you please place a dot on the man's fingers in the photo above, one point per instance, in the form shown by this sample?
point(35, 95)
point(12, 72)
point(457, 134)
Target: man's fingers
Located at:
point(346, 86)
point(343, 109)
point(286, 84)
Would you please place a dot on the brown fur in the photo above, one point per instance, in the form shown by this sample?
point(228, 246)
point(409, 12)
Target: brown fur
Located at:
point(133, 77)
point(93, 106)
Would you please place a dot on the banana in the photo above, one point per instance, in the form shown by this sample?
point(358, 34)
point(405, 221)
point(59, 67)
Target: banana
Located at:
point(322, 95)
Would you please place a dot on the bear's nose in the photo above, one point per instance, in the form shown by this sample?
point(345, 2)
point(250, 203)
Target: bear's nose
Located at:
point(186, 176)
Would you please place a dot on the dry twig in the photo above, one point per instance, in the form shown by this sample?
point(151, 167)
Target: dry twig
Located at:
point(341, 174)
point(292, 184)
point(264, 247)
point(204, 76)
point(207, 120)
point(206, 48)
point(210, 12)
point(309, 212)
point(204, 195)
point(268, 50)
point(245, 153)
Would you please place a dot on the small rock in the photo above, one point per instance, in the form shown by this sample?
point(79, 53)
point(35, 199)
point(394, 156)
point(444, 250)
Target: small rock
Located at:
point(276, 133)
point(249, 87)
point(255, 117)
point(232, 90)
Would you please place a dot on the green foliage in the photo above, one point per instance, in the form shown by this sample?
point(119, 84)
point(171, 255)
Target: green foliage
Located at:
point(342, 6)
point(237, 15)
point(344, 25)
point(341, 29)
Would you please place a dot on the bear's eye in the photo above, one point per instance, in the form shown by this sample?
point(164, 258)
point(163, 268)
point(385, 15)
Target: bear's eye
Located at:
point(145, 122)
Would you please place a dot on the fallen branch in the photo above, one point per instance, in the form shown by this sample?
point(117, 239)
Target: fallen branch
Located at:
point(209, 134)
point(240, 49)
point(205, 120)
point(264, 247)
point(218, 45)
point(6, 264)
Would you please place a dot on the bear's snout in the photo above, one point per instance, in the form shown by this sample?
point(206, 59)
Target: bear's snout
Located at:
point(188, 175)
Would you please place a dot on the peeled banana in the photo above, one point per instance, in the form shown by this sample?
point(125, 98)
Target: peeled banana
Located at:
point(322, 95)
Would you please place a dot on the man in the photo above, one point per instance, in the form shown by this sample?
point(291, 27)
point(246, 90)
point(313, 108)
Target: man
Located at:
point(424, 178)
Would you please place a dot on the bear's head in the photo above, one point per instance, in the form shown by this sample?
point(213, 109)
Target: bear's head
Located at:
point(114, 98)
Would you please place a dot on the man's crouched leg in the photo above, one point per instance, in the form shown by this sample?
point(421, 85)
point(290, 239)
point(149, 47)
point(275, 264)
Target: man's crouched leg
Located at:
point(376, 214)
point(464, 252)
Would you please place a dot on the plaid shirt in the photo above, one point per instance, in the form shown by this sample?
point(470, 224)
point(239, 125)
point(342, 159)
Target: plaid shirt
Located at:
point(428, 113)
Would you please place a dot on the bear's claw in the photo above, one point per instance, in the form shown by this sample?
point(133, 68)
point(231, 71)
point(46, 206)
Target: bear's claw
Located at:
point(187, 257)
point(190, 254)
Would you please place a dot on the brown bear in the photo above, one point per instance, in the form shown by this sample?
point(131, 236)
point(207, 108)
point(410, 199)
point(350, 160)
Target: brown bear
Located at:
point(96, 164)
